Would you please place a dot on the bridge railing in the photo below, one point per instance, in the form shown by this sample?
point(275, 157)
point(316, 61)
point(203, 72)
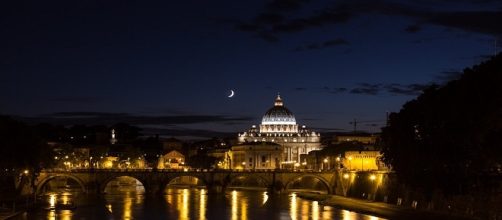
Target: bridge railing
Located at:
point(87, 170)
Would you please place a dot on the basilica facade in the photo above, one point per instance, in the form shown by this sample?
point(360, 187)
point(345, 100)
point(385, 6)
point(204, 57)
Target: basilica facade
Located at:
point(279, 126)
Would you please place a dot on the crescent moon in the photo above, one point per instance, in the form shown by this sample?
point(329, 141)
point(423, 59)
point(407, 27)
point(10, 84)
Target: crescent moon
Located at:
point(232, 93)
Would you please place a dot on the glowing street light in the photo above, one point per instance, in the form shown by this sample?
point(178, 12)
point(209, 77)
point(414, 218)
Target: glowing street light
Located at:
point(372, 177)
point(346, 176)
point(326, 165)
point(26, 172)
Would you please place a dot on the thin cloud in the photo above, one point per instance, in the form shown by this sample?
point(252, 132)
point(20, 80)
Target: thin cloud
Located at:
point(283, 22)
point(448, 75)
point(367, 89)
point(285, 5)
point(329, 43)
point(372, 89)
point(75, 99)
point(408, 89)
point(413, 28)
point(183, 132)
point(107, 118)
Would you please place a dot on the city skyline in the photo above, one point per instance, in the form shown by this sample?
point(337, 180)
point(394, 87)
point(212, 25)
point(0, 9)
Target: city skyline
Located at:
point(171, 66)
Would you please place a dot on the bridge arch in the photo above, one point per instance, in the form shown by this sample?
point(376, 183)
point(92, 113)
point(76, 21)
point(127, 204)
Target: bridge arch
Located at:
point(200, 180)
point(260, 180)
point(298, 177)
point(47, 179)
point(104, 183)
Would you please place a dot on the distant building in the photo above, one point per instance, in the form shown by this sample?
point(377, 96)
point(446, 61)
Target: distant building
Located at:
point(108, 162)
point(172, 144)
point(279, 126)
point(362, 160)
point(366, 139)
point(171, 160)
point(256, 156)
point(113, 139)
point(224, 157)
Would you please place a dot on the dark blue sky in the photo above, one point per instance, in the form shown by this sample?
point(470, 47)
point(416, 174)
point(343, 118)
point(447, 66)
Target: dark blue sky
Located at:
point(170, 65)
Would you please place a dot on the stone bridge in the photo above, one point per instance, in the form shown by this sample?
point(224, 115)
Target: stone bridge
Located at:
point(155, 181)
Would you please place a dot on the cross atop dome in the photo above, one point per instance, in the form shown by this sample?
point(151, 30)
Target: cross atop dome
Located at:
point(278, 100)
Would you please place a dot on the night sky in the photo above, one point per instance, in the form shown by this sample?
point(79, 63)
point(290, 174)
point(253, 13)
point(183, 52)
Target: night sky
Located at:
point(168, 66)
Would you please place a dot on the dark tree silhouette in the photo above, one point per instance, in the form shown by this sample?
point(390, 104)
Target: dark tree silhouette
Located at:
point(21, 147)
point(126, 133)
point(449, 138)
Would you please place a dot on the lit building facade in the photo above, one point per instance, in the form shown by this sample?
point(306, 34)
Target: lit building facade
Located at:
point(279, 126)
point(363, 160)
point(256, 156)
point(171, 160)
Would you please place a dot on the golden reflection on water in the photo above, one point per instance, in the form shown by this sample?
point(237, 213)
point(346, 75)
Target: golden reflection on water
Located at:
point(59, 198)
point(305, 209)
point(183, 205)
point(239, 205)
point(52, 200)
point(315, 210)
point(193, 204)
point(233, 205)
point(265, 198)
point(293, 207)
point(348, 215)
point(121, 202)
point(181, 200)
point(202, 204)
point(127, 207)
point(65, 215)
point(244, 209)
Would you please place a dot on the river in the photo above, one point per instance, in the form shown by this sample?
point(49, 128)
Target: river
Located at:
point(188, 203)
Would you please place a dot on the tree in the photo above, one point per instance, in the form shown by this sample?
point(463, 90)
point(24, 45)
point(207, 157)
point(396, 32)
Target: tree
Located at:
point(21, 147)
point(448, 138)
point(126, 133)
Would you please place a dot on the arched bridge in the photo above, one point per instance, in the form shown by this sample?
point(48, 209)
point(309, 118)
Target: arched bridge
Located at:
point(155, 181)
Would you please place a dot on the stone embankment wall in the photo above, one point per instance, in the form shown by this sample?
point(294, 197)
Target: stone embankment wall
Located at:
point(385, 187)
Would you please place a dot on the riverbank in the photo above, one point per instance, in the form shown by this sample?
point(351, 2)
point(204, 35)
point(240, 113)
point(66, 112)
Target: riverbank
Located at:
point(380, 209)
point(9, 215)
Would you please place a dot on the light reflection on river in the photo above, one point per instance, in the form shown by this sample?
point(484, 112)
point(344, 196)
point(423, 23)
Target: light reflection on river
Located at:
point(193, 203)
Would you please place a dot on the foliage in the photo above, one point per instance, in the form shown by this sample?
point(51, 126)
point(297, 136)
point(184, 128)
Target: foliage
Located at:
point(448, 138)
point(21, 147)
point(202, 161)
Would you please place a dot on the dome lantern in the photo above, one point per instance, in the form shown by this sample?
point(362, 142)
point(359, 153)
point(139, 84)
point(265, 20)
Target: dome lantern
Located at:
point(278, 101)
point(278, 114)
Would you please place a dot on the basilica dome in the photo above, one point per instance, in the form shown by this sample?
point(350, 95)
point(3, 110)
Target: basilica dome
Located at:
point(278, 115)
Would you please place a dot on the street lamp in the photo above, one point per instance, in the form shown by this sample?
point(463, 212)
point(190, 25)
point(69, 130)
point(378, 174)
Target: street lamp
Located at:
point(346, 176)
point(350, 162)
point(326, 162)
point(372, 177)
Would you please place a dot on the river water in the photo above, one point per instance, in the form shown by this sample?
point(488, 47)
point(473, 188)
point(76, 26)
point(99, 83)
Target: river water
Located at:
point(188, 203)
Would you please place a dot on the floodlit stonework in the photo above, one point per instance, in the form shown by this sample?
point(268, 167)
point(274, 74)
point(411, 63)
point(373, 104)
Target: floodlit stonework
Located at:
point(279, 126)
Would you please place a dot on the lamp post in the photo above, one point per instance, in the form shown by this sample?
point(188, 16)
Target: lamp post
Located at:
point(326, 161)
point(297, 165)
point(362, 162)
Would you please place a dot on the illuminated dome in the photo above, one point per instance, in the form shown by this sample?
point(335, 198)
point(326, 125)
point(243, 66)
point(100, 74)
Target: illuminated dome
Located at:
point(278, 115)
